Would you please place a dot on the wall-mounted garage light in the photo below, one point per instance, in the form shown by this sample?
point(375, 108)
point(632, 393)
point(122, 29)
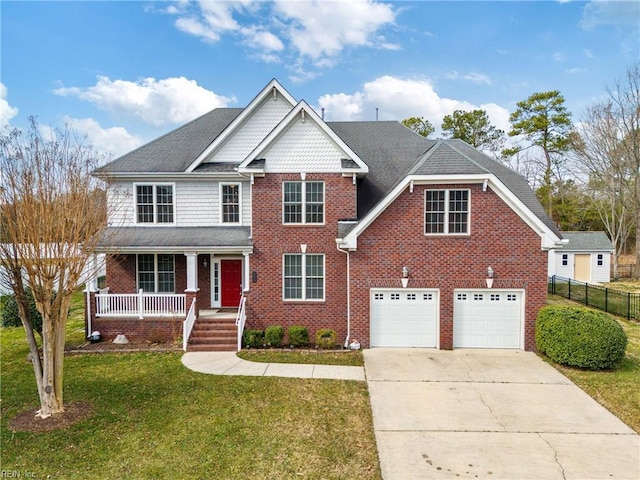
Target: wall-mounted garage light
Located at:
point(490, 275)
point(405, 277)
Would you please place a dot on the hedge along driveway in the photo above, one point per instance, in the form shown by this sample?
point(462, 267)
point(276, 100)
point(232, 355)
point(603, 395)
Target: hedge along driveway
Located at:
point(155, 419)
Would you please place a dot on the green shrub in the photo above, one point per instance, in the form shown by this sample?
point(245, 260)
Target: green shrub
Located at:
point(580, 337)
point(11, 316)
point(253, 338)
point(298, 336)
point(326, 338)
point(274, 335)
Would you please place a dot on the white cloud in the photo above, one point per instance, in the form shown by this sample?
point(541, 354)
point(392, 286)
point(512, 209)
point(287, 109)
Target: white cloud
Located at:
point(319, 29)
point(575, 70)
point(474, 77)
point(623, 14)
point(114, 141)
point(156, 102)
point(559, 56)
point(398, 98)
point(305, 30)
point(7, 112)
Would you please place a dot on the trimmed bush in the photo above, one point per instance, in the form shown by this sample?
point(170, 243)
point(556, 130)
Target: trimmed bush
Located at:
point(274, 335)
point(326, 338)
point(11, 316)
point(298, 336)
point(253, 338)
point(580, 337)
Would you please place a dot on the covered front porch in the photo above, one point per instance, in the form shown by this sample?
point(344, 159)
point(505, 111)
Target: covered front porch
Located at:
point(157, 293)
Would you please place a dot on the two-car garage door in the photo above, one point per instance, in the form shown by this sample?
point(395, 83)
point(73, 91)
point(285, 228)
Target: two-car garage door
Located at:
point(483, 318)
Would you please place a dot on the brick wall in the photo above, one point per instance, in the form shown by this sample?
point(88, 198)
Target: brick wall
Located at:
point(499, 238)
point(136, 330)
point(272, 239)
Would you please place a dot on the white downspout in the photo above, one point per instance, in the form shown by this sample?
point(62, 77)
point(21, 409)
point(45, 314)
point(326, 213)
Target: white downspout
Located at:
point(346, 341)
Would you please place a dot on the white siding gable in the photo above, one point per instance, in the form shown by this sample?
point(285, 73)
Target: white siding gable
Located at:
point(120, 202)
point(264, 119)
point(303, 147)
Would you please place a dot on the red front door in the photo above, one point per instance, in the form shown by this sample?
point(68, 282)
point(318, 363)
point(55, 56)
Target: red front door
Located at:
point(231, 280)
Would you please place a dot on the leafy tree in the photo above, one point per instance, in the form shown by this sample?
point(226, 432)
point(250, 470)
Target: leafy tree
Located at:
point(419, 125)
point(52, 220)
point(545, 122)
point(474, 128)
point(609, 152)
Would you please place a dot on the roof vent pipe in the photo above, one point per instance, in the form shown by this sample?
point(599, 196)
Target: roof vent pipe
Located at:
point(376, 114)
point(322, 109)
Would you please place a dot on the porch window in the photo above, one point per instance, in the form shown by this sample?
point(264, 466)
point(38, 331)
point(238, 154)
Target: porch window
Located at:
point(230, 202)
point(156, 273)
point(446, 212)
point(303, 202)
point(303, 277)
point(154, 203)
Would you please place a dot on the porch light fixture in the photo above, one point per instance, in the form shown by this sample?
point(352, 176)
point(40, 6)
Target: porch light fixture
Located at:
point(490, 275)
point(405, 277)
point(205, 262)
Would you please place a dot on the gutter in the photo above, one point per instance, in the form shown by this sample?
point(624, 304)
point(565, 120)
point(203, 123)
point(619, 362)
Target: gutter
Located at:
point(346, 341)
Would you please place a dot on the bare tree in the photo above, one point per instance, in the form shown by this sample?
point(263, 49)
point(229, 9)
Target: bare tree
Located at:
point(609, 152)
point(52, 214)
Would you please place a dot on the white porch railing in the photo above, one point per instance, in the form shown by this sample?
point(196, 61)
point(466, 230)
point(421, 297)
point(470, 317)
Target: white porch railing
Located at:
point(241, 319)
point(140, 304)
point(187, 325)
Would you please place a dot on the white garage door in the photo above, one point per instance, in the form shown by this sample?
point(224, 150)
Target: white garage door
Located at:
point(404, 318)
point(487, 318)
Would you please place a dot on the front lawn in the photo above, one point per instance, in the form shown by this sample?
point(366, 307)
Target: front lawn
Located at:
point(153, 418)
point(618, 390)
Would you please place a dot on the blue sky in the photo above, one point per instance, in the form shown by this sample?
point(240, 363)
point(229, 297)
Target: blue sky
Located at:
point(125, 72)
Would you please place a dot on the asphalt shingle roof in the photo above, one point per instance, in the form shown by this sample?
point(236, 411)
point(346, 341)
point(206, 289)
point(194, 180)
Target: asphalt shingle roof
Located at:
point(205, 237)
point(176, 150)
point(587, 241)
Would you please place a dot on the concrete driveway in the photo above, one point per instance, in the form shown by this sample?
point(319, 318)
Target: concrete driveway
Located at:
point(490, 414)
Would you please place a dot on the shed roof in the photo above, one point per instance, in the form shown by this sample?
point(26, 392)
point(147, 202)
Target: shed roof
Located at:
point(588, 241)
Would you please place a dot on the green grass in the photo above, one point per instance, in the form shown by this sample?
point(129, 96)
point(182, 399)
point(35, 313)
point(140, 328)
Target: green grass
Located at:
point(350, 358)
point(614, 299)
point(153, 418)
point(618, 390)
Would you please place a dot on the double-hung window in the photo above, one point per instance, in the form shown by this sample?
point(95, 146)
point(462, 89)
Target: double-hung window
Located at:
point(230, 198)
point(154, 203)
point(446, 212)
point(156, 273)
point(303, 202)
point(303, 277)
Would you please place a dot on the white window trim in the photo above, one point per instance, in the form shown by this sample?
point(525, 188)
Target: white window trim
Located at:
point(446, 213)
point(304, 279)
point(220, 212)
point(304, 203)
point(155, 222)
point(155, 273)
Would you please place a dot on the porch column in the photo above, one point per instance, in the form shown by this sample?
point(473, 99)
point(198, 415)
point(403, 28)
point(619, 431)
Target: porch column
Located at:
point(247, 273)
point(192, 272)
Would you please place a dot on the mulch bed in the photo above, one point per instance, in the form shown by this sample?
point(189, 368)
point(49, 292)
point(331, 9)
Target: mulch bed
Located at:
point(110, 347)
point(28, 422)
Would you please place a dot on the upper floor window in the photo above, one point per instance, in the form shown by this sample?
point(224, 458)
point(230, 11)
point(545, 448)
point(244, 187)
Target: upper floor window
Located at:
point(303, 277)
point(230, 202)
point(446, 212)
point(154, 203)
point(303, 202)
point(156, 273)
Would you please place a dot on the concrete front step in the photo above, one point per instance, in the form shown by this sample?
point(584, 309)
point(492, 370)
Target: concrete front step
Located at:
point(211, 348)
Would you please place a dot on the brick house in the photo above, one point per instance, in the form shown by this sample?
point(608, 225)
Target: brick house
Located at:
point(271, 215)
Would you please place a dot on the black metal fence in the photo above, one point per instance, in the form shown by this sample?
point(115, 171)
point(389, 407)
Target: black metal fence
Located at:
point(624, 304)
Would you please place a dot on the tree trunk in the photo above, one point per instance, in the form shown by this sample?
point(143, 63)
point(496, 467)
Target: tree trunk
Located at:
point(636, 274)
point(53, 357)
point(547, 181)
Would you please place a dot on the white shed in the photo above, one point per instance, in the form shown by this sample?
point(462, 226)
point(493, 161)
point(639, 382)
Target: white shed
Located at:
point(586, 257)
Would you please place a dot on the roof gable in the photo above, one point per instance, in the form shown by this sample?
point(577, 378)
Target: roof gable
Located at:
point(264, 112)
point(302, 141)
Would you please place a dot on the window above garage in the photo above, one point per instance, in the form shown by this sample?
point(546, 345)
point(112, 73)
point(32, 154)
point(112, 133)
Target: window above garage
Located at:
point(446, 212)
